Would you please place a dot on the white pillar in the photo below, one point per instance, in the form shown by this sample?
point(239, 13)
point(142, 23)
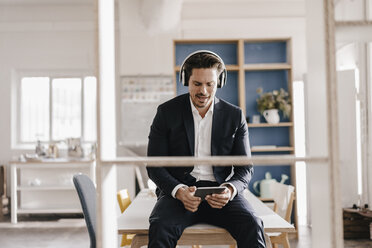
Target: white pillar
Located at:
point(322, 124)
point(107, 231)
point(106, 130)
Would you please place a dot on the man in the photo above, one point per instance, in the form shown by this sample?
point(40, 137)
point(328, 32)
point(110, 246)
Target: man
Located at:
point(199, 124)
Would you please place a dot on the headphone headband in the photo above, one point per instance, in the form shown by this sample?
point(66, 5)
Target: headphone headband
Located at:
point(222, 77)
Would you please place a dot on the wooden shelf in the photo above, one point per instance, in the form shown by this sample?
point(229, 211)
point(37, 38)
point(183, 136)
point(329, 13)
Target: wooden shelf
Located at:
point(353, 23)
point(42, 198)
point(262, 67)
point(48, 210)
point(276, 149)
point(280, 124)
point(41, 188)
point(228, 67)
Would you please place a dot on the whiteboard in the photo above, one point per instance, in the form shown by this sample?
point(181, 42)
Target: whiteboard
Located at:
point(140, 97)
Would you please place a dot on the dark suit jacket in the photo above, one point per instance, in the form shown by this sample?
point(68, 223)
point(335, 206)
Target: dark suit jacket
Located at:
point(172, 134)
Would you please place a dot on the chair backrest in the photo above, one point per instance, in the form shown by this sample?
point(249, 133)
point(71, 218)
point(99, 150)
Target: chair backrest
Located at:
point(283, 196)
point(123, 199)
point(87, 195)
point(143, 179)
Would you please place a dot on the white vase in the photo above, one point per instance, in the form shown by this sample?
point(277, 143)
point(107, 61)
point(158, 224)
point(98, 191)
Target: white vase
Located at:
point(271, 116)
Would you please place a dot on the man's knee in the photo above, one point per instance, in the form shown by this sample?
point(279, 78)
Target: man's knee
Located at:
point(248, 223)
point(254, 221)
point(166, 227)
point(163, 233)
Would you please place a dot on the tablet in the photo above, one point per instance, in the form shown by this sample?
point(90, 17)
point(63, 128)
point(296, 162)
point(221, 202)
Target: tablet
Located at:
point(202, 192)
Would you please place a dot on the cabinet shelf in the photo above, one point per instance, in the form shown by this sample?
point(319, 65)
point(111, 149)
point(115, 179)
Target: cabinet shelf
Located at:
point(56, 194)
point(48, 210)
point(276, 149)
point(228, 67)
point(252, 63)
point(280, 124)
point(271, 66)
point(41, 188)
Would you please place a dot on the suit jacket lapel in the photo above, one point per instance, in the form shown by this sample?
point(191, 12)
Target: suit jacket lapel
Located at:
point(189, 124)
point(216, 126)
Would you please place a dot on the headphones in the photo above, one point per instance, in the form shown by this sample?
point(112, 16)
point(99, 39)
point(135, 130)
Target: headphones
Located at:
point(221, 79)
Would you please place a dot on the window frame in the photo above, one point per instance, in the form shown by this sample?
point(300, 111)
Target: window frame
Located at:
point(51, 74)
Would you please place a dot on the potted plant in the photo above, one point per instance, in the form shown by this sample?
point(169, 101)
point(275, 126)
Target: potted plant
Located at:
point(269, 103)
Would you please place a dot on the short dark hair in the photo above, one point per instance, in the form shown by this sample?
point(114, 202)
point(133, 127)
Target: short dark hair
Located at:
point(202, 60)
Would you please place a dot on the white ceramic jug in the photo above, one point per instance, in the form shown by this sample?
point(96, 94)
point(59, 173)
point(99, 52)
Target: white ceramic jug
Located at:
point(265, 185)
point(271, 116)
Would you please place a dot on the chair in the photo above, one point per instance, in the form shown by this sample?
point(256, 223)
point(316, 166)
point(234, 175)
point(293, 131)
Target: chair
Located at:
point(87, 195)
point(283, 196)
point(124, 201)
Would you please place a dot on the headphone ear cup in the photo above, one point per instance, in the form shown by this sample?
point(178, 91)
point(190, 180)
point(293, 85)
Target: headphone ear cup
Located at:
point(222, 79)
point(183, 81)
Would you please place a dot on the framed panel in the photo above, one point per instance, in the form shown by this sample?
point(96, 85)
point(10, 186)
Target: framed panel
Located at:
point(268, 81)
point(227, 51)
point(265, 52)
point(278, 136)
point(229, 92)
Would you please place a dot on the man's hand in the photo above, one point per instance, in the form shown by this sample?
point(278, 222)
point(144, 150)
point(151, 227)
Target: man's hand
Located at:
point(220, 200)
point(186, 196)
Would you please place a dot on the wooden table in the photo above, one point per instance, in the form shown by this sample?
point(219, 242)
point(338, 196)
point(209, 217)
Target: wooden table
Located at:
point(135, 220)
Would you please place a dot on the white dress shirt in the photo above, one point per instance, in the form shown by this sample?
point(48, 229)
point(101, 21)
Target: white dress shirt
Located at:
point(202, 148)
point(203, 138)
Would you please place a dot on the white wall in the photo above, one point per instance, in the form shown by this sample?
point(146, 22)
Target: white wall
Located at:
point(348, 137)
point(46, 38)
point(144, 53)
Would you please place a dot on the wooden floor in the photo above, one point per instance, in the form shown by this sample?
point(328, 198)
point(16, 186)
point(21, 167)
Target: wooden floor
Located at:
point(58, 233)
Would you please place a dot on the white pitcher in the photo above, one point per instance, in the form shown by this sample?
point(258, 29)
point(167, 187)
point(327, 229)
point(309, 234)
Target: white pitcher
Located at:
point(265, 185)
point(271, 116)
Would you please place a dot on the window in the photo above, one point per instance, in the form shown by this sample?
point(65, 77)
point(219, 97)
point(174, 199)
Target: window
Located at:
point(55, 108)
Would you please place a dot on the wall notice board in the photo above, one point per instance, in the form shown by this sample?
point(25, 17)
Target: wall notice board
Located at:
point(140, 95)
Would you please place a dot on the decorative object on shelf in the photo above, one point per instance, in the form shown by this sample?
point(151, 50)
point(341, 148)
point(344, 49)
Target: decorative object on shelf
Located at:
point(271, 116)
point(265, 185)
point(93, 150)
point(34, 182)
point(269, 103)
point(75, 149)
point(53, 151)
point(40, 149)
point(256, 119)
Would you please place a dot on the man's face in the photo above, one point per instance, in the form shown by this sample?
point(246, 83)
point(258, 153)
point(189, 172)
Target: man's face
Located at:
point(203, 87)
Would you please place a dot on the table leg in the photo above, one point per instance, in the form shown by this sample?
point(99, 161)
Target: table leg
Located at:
point(139, 240)
point(268, 242)
point(14, 207)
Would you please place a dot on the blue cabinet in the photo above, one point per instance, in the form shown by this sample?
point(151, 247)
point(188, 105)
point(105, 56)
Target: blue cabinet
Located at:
point(251, 64)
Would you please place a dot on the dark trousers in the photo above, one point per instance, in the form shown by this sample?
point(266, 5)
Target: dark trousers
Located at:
point(169, 218)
